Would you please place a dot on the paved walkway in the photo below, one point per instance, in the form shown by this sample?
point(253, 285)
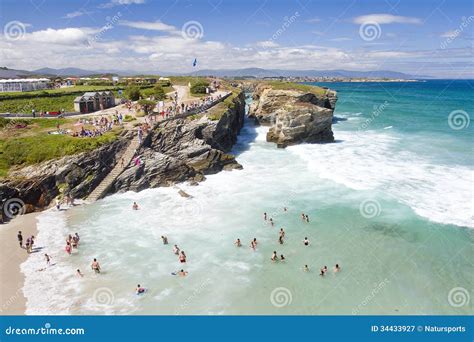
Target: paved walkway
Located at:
point(134, 145)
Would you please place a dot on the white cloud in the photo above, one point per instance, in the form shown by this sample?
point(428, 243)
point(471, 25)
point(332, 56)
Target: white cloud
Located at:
point(266, 44)
point(449, 34)
point(386, 19)
point(146, 25)
point(67, 36)
point(73, 15)
point(113, 3)
point(313, 20)
point(340, 39)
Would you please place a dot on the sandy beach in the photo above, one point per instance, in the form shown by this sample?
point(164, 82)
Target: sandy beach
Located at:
point(12, 300)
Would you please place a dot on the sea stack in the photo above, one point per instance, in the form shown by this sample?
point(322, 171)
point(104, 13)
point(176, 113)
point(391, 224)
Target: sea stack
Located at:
point(297, 113)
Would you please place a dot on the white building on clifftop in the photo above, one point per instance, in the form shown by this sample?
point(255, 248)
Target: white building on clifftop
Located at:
point(23, 84)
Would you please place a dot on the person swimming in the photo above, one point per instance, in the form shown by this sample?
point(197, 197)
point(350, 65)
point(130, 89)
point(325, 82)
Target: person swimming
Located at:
point(182, 257)
point(306, 241)
point(285, 209)
point(321, 272)
point(337, 268)
point(282, 258)
point(176, 249)
point(306, 268)
point(95, 266)
point(165, 239)
point(274, 256)
point(135, 206)
point(140, 290)
point(238, 243)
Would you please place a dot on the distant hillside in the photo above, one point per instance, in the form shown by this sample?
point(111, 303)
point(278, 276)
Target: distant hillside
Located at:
point(12, 73)
point(249, 72)
point(258, 72)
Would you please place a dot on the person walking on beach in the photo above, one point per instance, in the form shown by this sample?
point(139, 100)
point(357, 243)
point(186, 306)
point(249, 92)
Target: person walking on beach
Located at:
point(95, 266)
point(20, 238)
point(48, 259)
point(237, 243)
point(27, 245)
point(58, 204)
point(165, 239)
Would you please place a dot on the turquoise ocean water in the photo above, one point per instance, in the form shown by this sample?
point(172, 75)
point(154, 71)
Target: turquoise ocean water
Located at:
point(391, 202)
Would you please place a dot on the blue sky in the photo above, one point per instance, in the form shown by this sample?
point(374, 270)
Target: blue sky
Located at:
point(419, 37)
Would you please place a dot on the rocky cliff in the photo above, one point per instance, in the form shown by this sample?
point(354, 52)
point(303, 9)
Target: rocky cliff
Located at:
point(187, 149)
point(302, 114)
point(37, 185)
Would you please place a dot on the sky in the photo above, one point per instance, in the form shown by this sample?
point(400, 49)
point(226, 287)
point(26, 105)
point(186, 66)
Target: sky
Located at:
point(418, 37)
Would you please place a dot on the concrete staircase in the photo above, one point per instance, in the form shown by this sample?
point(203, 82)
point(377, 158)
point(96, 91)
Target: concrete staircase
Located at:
point(127, 156)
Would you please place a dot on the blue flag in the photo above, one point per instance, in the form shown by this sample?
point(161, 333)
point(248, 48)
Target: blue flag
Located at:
point(195, 62)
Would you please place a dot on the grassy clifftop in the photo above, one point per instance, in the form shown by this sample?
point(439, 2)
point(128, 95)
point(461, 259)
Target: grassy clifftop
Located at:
point(26, 142)
point(280, 85)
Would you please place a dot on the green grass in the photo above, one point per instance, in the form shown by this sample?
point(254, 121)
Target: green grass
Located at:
point(59, 91)
point(184, 80)
point(47, 104)
point(22, 151)
point(279, 85)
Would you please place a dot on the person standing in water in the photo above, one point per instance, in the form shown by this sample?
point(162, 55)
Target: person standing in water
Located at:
point(165, 239)
point(337, 268)
point(306, 241)
point(182, 257)
point(139, 289)
point(282, 257)
point(20, 239)
point(237, 243)
point(135, 206)
point(95, 266)
point(274, 256)
point(78, 273)
point(281, 236)
point(176, 249)
point(68, 248)
point(265, 216)
point(271, 222)
point(48, 259)
point(306, 268)
point(253, 244)
point(307, 218)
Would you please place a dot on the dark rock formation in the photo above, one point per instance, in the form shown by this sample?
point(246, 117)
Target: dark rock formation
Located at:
point(186, 150)
point(76, 175)
point(295, 116)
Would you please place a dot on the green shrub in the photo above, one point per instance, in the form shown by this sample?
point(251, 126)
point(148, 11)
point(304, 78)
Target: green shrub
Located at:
point(132, 92)
point(199, 87)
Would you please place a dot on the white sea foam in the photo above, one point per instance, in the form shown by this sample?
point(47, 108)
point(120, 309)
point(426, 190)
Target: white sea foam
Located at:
point(376, 161)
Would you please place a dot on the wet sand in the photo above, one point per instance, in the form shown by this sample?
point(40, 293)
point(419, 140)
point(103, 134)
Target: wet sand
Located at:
point(12, 300)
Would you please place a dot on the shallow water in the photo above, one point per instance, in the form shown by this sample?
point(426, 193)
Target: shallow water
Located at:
point(396, 220)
